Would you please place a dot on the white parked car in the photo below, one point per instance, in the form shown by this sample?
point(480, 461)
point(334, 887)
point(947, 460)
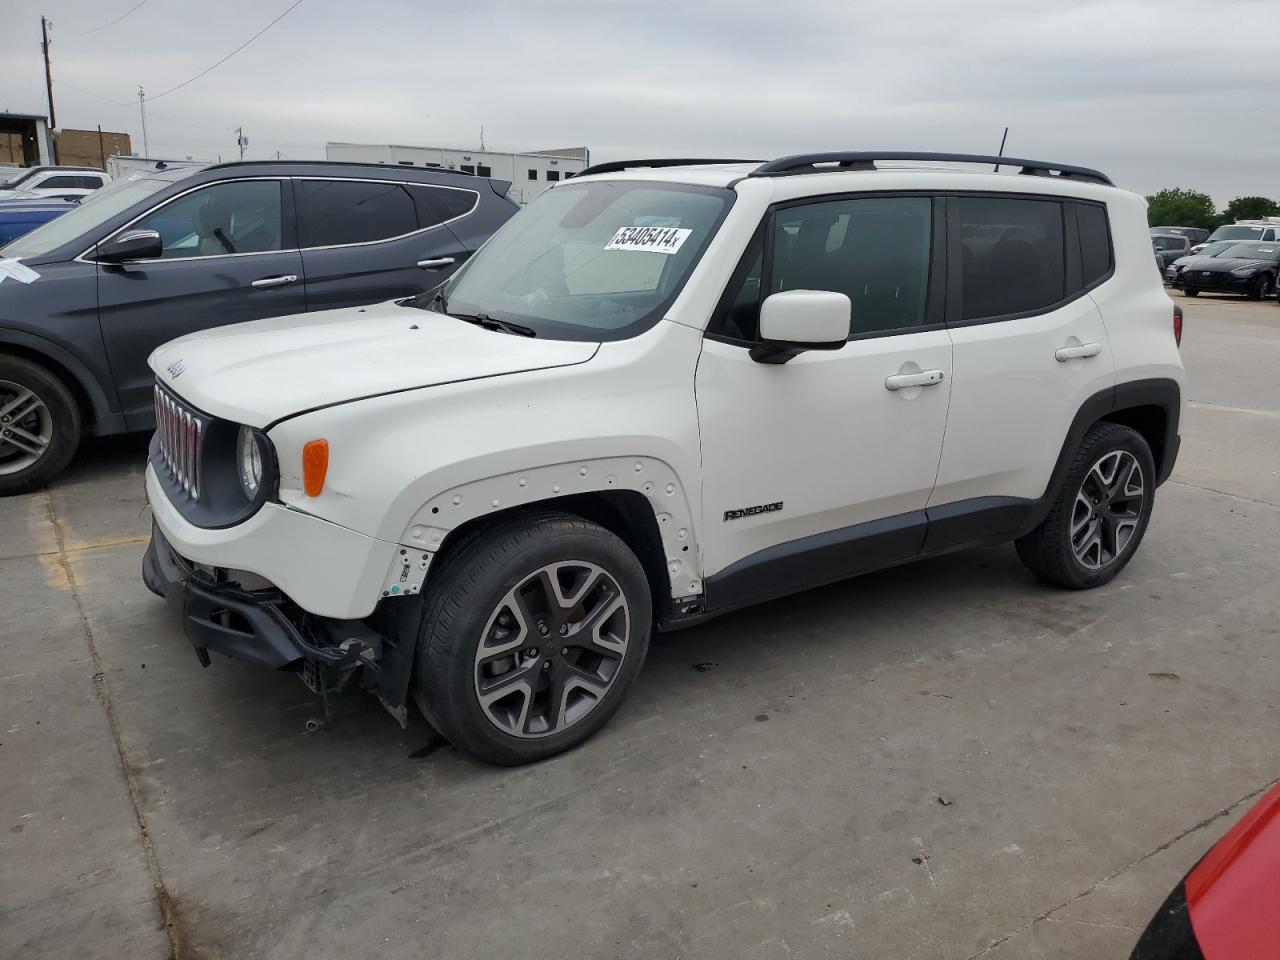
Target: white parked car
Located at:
point(61, 183)
point(661, 392)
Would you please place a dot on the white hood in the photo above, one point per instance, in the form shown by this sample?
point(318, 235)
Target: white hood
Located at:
point(257, 373)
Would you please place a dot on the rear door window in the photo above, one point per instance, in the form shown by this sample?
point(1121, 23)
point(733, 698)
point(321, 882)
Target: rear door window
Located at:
point(1011, 252)
point(340, 212)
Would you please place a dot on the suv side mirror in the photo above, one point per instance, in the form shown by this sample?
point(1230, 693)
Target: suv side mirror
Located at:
point(131, 245)
point(794, 321)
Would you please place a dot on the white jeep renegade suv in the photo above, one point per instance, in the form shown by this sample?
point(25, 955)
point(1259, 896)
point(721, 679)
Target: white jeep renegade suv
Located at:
point(665, 390)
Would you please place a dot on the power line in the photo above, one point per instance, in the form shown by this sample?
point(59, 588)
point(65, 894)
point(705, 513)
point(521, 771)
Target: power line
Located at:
point(110, 23)
point(292, 7)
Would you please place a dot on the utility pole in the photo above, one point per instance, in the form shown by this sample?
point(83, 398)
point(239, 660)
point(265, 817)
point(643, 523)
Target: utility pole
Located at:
point(241, 140)
point(142, 105)
point(48, 81)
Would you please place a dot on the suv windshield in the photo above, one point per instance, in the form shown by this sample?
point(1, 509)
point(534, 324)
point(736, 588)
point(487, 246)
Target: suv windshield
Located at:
point(1250, 251)
point(591, 261)
point(97, 208)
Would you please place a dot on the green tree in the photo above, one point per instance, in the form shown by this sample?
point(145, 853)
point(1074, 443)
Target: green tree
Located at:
point(1248, 208)
point(1176, 207)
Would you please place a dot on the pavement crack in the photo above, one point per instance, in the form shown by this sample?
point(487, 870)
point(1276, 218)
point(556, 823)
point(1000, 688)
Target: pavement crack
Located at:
point(165, 901)
point(1048, 914)
point(1224, 493)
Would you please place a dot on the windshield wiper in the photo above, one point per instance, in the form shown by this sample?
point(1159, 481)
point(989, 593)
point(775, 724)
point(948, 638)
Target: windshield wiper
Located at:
point(493, 323)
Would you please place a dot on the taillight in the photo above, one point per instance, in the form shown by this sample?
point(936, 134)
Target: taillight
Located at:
point(1177, 325)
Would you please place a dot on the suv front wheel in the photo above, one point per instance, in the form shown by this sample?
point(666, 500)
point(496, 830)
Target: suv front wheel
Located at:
point(39, 426)
point(1100, 513)
point(533, 631)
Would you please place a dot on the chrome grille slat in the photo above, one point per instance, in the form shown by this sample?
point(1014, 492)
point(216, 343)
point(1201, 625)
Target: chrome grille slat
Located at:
point(180, 431)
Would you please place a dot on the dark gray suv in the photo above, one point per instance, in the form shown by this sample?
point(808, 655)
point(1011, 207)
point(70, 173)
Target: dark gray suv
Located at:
point(85, 298)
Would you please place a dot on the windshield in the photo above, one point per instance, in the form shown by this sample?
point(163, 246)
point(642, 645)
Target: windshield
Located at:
point(94, 210)
point(1215, 247)
point(1168, 243)
point(595, 260)
point(1237, 232)
point(1250, 251)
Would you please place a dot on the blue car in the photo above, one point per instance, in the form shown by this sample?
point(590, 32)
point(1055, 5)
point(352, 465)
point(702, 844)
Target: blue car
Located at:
point(22, 216)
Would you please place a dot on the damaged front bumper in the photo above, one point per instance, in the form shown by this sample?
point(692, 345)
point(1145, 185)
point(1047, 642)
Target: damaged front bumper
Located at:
point(264, 627)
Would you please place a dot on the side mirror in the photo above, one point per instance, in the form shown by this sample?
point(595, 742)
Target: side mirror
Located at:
point(794, 321)
point(132, 245)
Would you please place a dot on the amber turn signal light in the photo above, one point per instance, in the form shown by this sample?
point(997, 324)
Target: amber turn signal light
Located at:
point(315, 464)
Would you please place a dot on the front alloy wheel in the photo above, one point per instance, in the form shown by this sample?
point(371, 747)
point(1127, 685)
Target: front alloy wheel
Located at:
point(39, 425)
point(26, 427)
point(532, 630)
point(551, 649)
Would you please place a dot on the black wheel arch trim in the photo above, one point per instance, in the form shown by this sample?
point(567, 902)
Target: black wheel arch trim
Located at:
point(105, 420)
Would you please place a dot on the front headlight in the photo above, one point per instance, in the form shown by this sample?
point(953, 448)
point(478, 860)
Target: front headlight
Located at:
point(249, 457)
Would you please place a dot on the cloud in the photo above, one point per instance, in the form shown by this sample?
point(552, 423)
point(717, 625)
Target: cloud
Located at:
point(1156, 92)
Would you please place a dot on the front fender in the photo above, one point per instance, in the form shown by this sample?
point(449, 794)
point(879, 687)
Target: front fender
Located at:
point(655, 480)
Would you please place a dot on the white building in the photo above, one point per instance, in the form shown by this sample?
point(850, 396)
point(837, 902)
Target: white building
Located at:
point(530, 173)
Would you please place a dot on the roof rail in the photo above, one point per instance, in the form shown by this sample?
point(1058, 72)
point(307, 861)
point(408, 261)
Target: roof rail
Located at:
point(618, 165)
point(866, 160)
point(336, 163)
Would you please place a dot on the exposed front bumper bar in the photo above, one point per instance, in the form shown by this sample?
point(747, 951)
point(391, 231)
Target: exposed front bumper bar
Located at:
point(256, 626)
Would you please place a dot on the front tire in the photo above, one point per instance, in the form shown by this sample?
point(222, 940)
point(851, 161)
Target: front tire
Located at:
point(1191, 293)
point(1261, 287)
point(532, 632)
point(39, 426)
point(1100, 513)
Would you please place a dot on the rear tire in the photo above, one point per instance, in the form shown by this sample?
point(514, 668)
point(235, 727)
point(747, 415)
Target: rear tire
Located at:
point(532, 632)
point(1099, 515)
point(39, 425)
point(1191, 293)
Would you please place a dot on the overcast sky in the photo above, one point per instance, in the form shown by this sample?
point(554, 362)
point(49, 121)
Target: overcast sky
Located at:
point(1154, 92)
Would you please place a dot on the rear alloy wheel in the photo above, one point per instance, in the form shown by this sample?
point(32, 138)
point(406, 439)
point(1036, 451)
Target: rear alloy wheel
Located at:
point(39, 426)
point(532, 632)
point(1100, 513)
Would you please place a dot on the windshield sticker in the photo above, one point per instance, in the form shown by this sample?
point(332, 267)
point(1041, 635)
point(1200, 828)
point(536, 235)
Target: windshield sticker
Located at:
point(649, 239)
point(17, 270)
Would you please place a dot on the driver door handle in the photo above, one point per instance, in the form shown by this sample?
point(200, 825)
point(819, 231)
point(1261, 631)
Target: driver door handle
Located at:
point(435, 263)
point(925, 378)
point(1078, 352)
point(268, 282)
